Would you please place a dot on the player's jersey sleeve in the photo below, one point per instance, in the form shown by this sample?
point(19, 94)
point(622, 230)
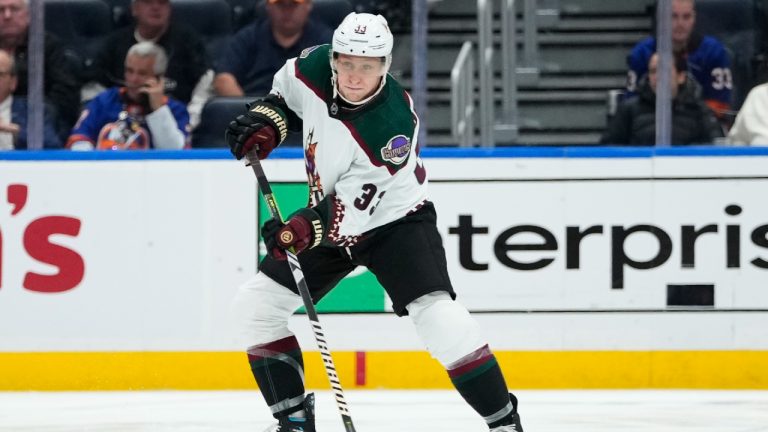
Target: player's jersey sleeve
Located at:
point(287, 85)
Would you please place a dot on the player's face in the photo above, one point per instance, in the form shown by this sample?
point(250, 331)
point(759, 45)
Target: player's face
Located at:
point(137, 71)
point(357, 77)
point(683, 19)
point(152, 13)
point(14, 18)
point(288, 17)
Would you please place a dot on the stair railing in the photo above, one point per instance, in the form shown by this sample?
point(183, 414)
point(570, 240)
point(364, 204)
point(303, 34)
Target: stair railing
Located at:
point(463, 97)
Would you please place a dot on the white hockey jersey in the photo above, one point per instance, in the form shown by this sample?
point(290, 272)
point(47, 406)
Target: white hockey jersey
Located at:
point(362, 166)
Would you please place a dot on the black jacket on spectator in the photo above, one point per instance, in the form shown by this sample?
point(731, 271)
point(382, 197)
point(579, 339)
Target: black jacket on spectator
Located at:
point(635, 120)
point(61, 86)
point(187, 60)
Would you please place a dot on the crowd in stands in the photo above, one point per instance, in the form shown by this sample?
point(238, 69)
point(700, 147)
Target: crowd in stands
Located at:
point(144, 83)
point(702, 93)
point(155, 66)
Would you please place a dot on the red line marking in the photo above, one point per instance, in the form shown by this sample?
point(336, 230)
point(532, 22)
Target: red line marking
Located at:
point(360, 368)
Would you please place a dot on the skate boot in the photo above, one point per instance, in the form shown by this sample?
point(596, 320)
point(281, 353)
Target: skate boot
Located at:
point(512, 423)
point(292, 424)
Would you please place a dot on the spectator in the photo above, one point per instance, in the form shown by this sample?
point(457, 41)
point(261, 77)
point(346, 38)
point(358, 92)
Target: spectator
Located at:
point(751, 125)
point(61, 88)
point(260, 49)
point(138, 115)
point(707, 58)
point(692, 121)
point(13, 112)
point(189, 75)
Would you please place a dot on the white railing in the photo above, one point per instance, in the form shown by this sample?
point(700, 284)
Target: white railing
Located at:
point(504, 127)
point(463, 97)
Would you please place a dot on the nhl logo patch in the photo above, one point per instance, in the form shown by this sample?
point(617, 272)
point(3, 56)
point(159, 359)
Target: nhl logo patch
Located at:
point(397, 149)
point(306, 51)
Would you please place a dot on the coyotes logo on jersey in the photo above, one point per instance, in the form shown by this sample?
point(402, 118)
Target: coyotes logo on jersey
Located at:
point(313, 178)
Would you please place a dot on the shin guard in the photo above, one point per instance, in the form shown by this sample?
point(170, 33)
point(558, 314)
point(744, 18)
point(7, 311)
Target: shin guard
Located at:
point(279, 370)
point(479, 380)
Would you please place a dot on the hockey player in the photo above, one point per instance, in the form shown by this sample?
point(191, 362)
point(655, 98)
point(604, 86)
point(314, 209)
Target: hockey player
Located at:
point(368, 207)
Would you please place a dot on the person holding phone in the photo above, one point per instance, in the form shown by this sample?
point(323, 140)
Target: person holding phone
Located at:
point(137, 115)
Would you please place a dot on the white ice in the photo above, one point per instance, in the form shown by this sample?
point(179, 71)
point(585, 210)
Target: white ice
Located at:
point(385, 411)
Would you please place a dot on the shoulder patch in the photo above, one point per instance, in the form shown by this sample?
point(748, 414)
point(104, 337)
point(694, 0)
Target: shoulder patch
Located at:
point(396, 150)
point(386, 131)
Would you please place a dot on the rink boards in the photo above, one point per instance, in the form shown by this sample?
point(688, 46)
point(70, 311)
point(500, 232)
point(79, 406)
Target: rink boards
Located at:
point(587, 268)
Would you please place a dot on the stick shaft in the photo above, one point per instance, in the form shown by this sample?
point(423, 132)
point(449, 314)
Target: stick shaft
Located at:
point(301, 284)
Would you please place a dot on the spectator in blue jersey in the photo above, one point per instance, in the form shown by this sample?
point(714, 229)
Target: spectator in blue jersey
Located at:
point(708, 61)
point(13, 112)
point(137, 115)
point(259, 50)
point(635, 120)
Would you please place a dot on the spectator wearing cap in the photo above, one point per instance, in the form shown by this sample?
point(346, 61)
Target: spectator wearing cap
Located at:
point(259, 50)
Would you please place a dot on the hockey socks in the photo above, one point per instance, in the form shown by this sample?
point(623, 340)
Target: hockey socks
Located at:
point(279, 370)
point(479, 380)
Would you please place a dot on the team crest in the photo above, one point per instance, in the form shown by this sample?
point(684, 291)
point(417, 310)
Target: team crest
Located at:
point(397, 149)
point(306, 51)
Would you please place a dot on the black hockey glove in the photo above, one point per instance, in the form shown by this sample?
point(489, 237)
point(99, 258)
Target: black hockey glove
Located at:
point(250, 132)
point(262, 128)
point(303, 230)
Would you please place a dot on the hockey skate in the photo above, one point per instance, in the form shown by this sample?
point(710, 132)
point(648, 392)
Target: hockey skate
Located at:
point(513, 425)
point(289, 424)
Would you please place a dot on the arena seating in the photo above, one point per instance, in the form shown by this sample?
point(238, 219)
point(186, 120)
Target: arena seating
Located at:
point(79, 24)
point(212, 19)
point(735, 24)
point(216, 115)
point(121, 12)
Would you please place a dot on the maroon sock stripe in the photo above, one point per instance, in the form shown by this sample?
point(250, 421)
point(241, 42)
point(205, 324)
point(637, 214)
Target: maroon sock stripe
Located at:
point(471, 366)
point(282, 346)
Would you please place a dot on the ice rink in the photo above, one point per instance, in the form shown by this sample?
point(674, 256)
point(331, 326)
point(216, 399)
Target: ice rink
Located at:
point(385, 411)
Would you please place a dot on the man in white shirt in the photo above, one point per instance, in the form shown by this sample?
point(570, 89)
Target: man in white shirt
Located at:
point(751, 125)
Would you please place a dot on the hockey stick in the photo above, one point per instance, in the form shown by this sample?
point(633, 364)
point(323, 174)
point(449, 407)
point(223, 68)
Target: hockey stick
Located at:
point(301, 284)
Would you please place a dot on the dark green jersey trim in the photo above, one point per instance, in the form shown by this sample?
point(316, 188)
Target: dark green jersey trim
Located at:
point(385, 130)
point(313, 68)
